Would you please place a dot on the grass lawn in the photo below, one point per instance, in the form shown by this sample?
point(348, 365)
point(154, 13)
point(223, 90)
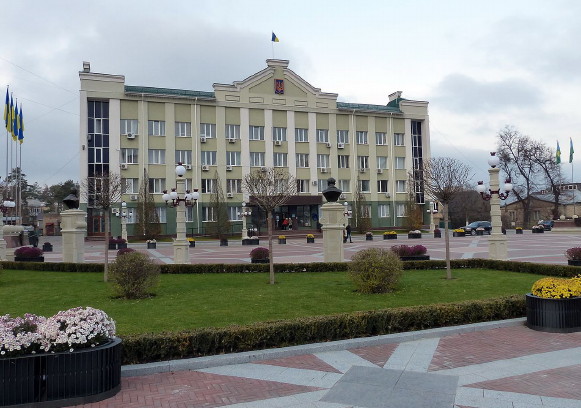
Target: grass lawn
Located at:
point(189, 301)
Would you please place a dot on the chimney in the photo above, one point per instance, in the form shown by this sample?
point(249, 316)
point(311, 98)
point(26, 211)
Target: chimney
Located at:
point(86, 66)
point(395, 95)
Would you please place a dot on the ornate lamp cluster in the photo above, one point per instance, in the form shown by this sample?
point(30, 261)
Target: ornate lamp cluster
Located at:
point(493, 161)
point(246, 211)
point(347, 212)
point(172, 198)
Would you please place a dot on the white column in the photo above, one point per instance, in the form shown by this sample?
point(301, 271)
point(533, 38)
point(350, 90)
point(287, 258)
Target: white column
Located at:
point(74, 229)
point(180, 244)
point(333, 220)
point(497, 243)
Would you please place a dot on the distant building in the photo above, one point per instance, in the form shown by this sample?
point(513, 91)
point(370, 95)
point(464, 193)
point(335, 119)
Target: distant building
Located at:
point(273, 118)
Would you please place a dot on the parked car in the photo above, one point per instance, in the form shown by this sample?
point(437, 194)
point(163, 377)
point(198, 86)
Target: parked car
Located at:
point(547, 224)
point(471, 228)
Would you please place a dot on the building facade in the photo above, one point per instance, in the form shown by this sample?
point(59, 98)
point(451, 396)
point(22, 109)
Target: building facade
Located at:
point(273, 118)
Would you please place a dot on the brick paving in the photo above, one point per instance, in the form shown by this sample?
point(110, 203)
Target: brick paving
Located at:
point(377, 355)
point(305, 362)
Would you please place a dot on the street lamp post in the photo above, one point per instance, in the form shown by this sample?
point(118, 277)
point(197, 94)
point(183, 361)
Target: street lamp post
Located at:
point(432, 211)
point(497, 247)
point(246, 212)
point(347, 213)
point(4, 207)
point(124, 214)
point(178, 196)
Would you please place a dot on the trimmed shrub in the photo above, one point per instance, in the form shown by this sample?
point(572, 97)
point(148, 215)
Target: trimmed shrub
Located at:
point(259, 253)
point(406, 250)
point(375, 270)
point(573, 253)
point(124, 251)
point(134, 275)
point(28, 252)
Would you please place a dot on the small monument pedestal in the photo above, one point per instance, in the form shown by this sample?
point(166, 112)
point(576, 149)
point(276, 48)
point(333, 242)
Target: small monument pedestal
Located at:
point(74, 229)
point(333, 221)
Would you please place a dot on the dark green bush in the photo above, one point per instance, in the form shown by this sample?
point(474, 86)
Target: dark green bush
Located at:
point(133, 275)
point(375, 270)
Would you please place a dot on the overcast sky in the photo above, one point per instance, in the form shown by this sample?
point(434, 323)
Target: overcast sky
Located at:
point(480, 65)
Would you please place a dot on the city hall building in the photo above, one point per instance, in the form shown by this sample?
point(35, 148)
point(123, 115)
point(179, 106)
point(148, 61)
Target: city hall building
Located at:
point(273, 118)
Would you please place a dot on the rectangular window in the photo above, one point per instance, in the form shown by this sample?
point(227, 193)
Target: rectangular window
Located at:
point(183, 129)
point(364, 186)
point(279, 133)
point(156, 127)
point(208, 130)
point(322, 161)
point(129, 126)
point(343, 136)
point(322, 136)
point(344, 185)
point(256, 159)
point(380, 138)
point(343, 161)
point(383, 210)
point(161, 214)
point(382, 186)
point(400, 163)
point(302, 186)
point(321, 185)
point(156, 185)
point(400, 210)
point(184, 156)
point(233, 158)
point(98, 125)
point(366, 210)
point(188, 184)
point(256, 133)
point(232, 132)
point(280, 160)
point(301, 135)
point(382, 162)
point(302, 160)
point(234, 213)
point(209, 158)
point(398, 139)
point(361, 137)
point(363, 162)
point(208, 185)
point(130, 185)
point(400, 186)
point(129, 156)
point(233, 185)
point(208, 214)
point(156, 156)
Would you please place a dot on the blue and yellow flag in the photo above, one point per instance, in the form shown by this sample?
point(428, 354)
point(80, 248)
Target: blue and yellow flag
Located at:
point(10, 116)
point(571, 151)
point(7, 110)
point(15, 122)
point(20, 126)
point(558, 154)
point(274, 37)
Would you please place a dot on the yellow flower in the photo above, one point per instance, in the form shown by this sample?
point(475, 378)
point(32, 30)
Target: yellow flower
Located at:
point(557, 288)
point(310, 236)
point(281, 237)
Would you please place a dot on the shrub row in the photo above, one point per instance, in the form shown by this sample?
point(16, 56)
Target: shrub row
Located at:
point(53, 266)
point(146, 348)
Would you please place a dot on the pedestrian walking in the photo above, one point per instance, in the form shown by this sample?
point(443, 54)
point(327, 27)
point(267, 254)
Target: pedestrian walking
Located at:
point(348, 231)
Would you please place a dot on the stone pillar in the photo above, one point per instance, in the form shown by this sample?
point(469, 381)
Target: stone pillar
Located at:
point(333, 220)
point(497, 242)
point(180, 244)
point(74, 229)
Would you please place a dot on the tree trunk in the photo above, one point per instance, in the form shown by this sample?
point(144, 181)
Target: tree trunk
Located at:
point(107, 233)
point(447, 241)
point(270, 255)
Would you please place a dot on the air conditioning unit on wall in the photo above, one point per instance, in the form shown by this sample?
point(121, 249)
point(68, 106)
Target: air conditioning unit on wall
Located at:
point(230, 195)
point(277, 143)
point(205, 167)
point(340, 145)
point(130, 136)
point(124, 166)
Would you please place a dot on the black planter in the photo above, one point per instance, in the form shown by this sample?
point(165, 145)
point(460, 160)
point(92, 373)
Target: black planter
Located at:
point(415, 258)
point(369, 237)
point(479, 232)
point(519, 232)
point(192, 244)
point(250, 241)
point(458, 234)
point(574, 262)
point(538, 231)
point(151, 245)
point(47, 247)
point(437, 235)
point(260, 260)
point(122, 245)
point(390, 236)
point(81, 377)
point(553, 315)
point(112, 245)
point(35, 259)
point(282, 241)
point(310, 240)
point(414, 236)
point(223, 242)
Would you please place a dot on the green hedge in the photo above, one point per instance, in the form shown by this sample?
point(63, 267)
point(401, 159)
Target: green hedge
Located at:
point(53, 266)
point(212, 341)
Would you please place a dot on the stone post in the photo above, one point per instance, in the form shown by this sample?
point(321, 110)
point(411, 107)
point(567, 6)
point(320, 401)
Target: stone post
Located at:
point(497, 242)
point(333, 220)
point(74, 229)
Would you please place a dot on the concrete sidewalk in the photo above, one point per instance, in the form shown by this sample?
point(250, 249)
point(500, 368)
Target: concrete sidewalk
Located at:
point(486, 365)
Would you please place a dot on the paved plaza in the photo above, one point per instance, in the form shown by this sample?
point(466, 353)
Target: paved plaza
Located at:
point(485, 365)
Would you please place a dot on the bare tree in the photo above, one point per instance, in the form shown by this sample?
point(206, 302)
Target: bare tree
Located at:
point(360, 209)
point(221, 223)
point(102, 191)
point(444, 179)
point(544, 157)
point(270, 188)
point(147, 219)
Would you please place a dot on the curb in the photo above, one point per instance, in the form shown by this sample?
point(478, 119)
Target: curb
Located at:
point(260, 355)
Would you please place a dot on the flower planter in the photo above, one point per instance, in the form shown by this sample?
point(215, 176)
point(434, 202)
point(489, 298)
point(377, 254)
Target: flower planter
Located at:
point(390, 236)
point(538, 231)
point(250, 241)
point(81, 377)
point(47, 247)
point(414, 236)
point(519, 232)
point(310, 240)
point(574, 262)
point(458, 234)
point(260, 260)
point(151, 245)
point(553, 315)
point(34, 259)
point(192, 244)
point(282, 241)
point(369, 237)
point(112, 245)
point(415, 258)
point(122, 245)
point(223, 242)
point(437, 235)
